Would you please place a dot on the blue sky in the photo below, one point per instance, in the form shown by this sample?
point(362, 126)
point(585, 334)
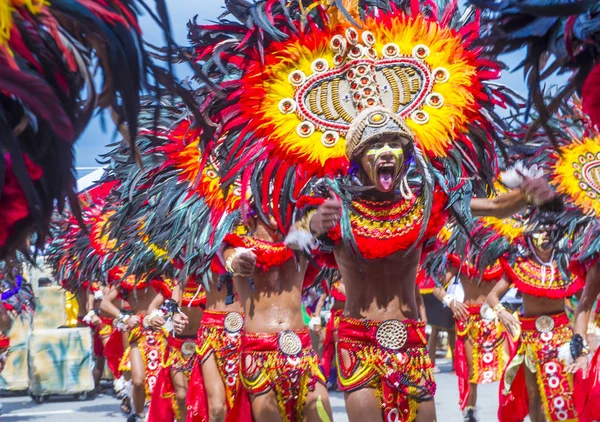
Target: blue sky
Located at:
point(92, 142)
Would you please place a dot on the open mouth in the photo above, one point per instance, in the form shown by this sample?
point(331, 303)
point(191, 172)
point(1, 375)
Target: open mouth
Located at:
point(385, 175)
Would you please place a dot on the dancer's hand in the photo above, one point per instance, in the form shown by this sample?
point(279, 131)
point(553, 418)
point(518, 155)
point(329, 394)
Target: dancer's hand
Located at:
point(244, 263)
point(156, 323)
point(459, 310)
point(180, 321)
point(580, 363)
point(510, 322)
point(536, 191)
point(327, 217)
point(133, 321)
point(95, 320)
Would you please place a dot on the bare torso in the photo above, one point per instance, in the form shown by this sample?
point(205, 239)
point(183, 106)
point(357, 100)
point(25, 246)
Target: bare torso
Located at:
point(535, 306)
point(380, 289)
point(216, 299)
point(274, 305)
point(140, 299)
point(475, 292)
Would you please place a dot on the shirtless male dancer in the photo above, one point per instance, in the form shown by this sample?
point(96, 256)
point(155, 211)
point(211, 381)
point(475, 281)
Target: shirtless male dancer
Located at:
point(279, 368)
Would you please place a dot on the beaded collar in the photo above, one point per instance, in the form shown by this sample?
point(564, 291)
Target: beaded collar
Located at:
point(384, 228)
point(268, 254)
point(537, 279)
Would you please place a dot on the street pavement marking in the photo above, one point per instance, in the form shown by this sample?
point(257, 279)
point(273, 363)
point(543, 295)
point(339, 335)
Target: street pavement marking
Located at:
point(45, 413)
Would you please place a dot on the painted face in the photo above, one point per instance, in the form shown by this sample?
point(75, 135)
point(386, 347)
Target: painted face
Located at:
point(541, 240)
point(382, 162)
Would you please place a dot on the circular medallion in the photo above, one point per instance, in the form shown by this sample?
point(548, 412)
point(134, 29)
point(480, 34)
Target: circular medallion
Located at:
point(544, 324)
point(390, 50)
point(338, 44)
point(551, 368)
point(392, 334)
point(562, 415)
point(287, 106)
point(420, 51)
point(352, 35)
point(440, 74)
point(305, 129)
point(233, 323)
point(419, 116)
point(289, 343)
point(368, 38)
point(330, 138)
point(297, 77)
point(319, 66)
point(188, 348)
point(434, 100)
point(559, 402)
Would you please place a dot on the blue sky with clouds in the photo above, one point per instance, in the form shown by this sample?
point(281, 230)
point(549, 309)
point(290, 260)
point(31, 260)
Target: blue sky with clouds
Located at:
point(92, 142)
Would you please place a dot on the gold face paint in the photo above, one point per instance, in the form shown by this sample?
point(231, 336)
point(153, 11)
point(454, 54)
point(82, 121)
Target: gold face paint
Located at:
point(398, 153)
point(372, 157)
point(540, 240)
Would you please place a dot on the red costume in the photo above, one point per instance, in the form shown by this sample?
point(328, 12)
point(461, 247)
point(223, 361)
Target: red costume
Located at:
point(283, 362)
point(219, 335)
point(331, 328)
point(541, 338)
point(390, 356)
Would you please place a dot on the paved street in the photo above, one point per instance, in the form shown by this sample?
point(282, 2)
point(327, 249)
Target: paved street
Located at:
point(105, 407)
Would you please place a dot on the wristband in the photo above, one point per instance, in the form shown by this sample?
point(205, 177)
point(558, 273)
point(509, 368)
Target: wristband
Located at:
point(448, 299)
point(88, 318)
point(314, 321)
point(499, 308)
point(120, 321)
point(578, 346)
point(232, 257)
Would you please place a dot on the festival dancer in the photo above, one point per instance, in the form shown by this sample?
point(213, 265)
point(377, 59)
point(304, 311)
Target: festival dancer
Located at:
point(279, 368)
point(580, 189)
point(16, 300)
point(535, 381)
point(378, 107)
point(88, 296)
point(144, 353)
point(214, 382)
point(483, 346)
point(168, 401)
point(586, 371)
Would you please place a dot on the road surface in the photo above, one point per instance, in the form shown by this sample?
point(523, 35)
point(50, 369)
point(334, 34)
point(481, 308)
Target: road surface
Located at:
point(104, 408)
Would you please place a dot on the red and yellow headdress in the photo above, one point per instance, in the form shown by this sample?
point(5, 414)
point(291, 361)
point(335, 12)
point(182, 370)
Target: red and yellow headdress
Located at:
point(303, 88)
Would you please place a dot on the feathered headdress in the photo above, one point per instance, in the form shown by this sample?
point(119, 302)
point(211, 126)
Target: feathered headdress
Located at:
point(297, 80)
point(49, 94)
point(559, 36)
